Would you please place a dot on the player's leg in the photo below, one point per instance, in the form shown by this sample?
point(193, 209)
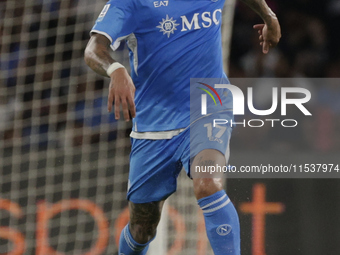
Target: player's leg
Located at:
point(221, 219)
point(209, 149)
point(154, 167)
point(141, 230)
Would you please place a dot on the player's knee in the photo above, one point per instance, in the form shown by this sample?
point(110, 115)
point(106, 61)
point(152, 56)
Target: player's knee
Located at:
point(143, 233)
point(144, 219)
point(204, 187)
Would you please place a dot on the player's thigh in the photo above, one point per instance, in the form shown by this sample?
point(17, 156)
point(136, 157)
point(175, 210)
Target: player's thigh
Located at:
point(146, 213)
point(144, 219)
point(208, 147)
point(209, 154)
point(154, 167)
point(208, 157)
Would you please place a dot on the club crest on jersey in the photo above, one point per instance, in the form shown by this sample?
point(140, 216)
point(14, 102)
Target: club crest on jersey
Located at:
point(167, 26)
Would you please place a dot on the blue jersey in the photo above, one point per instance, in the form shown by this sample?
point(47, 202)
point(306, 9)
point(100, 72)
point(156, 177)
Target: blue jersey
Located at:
point(170, 42)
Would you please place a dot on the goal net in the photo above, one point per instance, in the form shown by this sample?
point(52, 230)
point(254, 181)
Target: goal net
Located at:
point(64, 159)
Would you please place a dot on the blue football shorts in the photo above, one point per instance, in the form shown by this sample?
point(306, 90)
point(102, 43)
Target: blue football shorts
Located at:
point(156, 164)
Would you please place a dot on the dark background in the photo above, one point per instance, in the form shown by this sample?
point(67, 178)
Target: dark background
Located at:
point(309, 48)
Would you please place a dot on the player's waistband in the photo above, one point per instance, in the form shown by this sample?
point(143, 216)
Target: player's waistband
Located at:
point(156, 135)
point(169, 134)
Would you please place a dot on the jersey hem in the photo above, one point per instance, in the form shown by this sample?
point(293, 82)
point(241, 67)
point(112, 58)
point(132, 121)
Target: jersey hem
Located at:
point(169, 134)
point(156, 135)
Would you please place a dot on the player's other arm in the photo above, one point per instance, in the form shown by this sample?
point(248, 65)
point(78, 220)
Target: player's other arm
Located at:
point(122, 90)
point(270, 31)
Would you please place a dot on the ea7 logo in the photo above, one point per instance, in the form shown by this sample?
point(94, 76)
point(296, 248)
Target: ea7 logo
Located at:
point(160, 3)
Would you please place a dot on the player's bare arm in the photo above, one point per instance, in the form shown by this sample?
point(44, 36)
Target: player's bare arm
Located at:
point(122, 89)
point(270, 31)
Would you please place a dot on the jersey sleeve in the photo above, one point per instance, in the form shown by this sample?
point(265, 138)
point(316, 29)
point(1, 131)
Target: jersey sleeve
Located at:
point(115, 21)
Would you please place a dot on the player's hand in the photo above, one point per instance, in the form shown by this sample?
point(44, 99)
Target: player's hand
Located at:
point(122, 93)
point(270, 34)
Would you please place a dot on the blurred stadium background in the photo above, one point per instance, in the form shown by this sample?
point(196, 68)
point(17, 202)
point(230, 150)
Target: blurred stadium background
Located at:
point(64, 160)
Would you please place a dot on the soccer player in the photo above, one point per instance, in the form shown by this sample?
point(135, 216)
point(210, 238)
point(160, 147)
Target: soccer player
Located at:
point(171, 41)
